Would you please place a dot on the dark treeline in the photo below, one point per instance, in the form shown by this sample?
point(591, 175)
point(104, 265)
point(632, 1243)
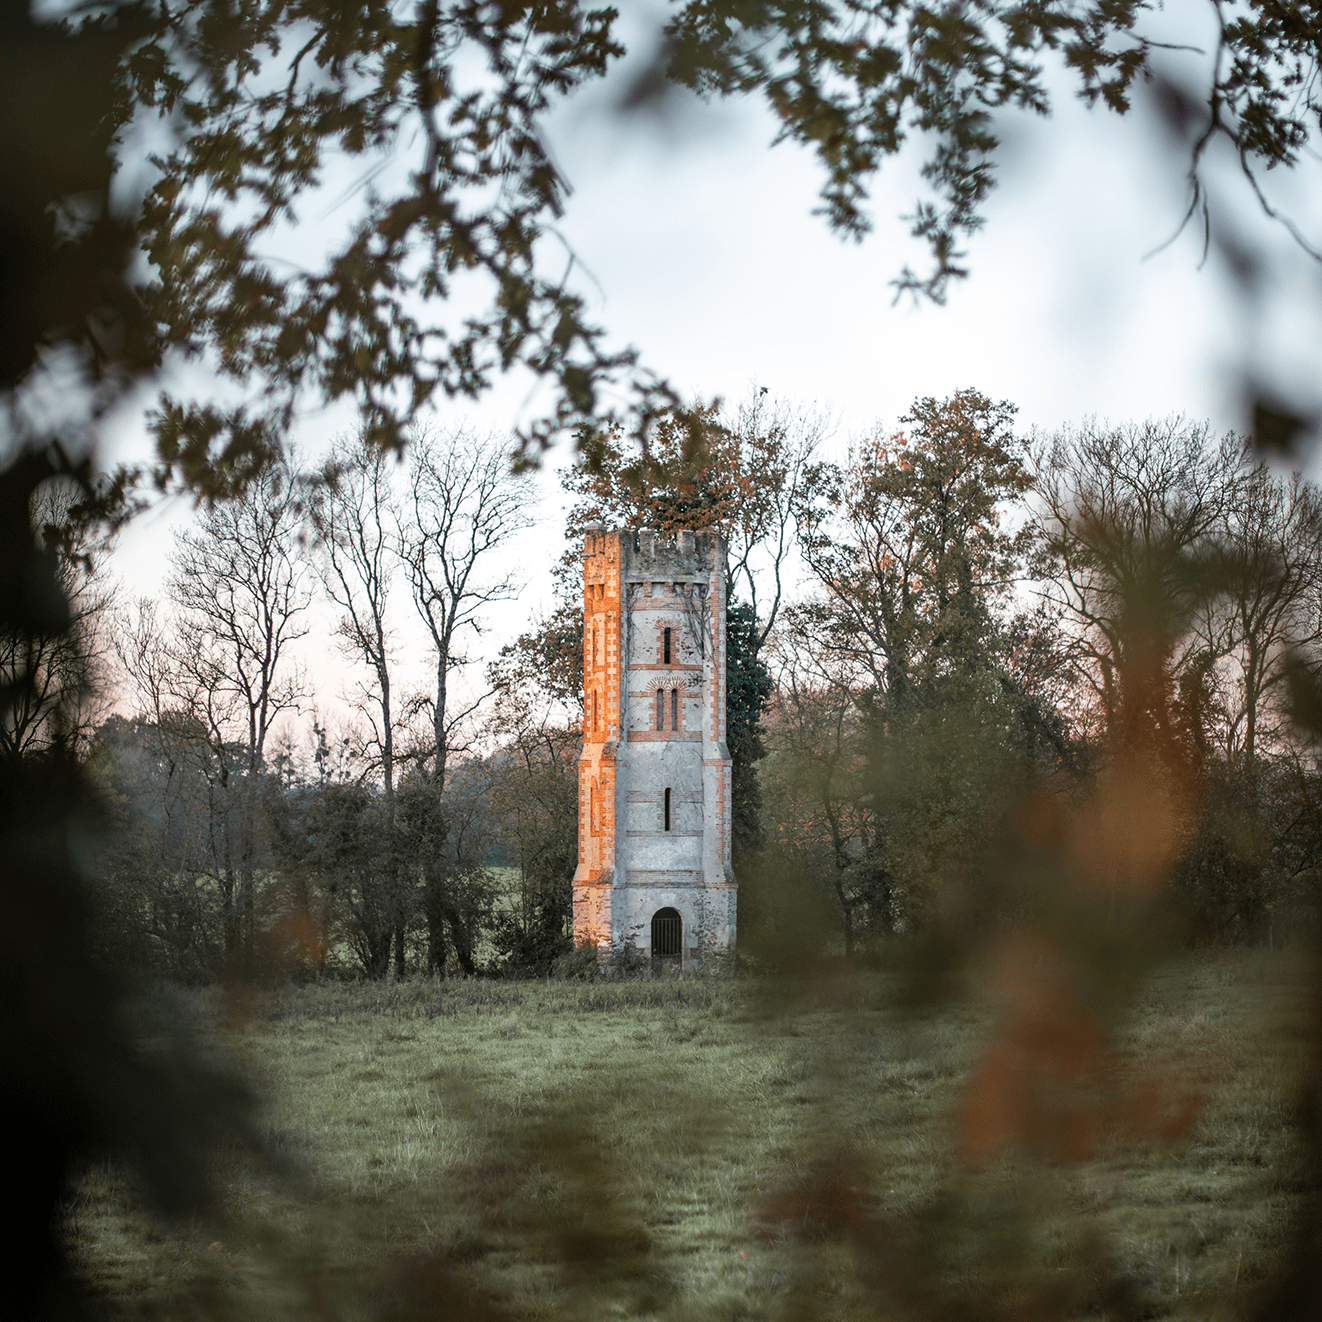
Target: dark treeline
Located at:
point(979, 619)
point(999, 624)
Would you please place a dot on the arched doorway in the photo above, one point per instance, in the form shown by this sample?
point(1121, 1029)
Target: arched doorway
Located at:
point(667, 934)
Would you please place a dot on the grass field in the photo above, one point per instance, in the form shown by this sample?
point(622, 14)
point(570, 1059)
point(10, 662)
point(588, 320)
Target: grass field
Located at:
point(697, 1148)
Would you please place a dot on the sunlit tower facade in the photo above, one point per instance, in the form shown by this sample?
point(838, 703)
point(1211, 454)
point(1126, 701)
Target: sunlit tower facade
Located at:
point(654, 776)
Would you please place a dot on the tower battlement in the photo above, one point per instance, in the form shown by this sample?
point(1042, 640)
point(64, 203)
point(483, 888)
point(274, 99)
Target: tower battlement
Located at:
point(654, 776)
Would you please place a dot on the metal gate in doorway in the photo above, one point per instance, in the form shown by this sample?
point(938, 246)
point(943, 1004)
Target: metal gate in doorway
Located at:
point(667, 934)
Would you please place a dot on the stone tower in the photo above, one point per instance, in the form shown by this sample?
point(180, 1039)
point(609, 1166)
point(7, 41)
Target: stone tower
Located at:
point(654, 777)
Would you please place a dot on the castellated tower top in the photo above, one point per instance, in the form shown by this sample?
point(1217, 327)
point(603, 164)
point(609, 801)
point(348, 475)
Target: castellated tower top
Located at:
point(654, 777)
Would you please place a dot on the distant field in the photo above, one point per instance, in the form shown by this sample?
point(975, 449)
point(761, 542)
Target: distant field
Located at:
point(689, 1148)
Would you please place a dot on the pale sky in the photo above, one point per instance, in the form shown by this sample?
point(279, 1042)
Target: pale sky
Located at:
point(695, 243)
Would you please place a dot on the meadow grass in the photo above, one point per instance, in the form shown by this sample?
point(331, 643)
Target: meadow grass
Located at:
point(650, 1148)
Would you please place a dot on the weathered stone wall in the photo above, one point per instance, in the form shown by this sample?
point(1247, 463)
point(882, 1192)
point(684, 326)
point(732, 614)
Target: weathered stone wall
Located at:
point(654, 776)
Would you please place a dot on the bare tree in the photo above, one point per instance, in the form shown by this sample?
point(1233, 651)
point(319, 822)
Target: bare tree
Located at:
point(357, 524)
point(185, 787)
point(463, 508)
point(1269, 599)
point(1131, 518)
point(775, 444)
point(50, 676)
point(239, 586)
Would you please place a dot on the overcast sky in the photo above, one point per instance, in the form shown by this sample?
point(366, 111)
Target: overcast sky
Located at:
point(695, 243)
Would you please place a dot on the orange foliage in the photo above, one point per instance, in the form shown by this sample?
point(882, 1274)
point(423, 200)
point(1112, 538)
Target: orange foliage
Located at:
point(832, 1200)
point(828, 981)
point(1049, 1080)
point(295, 944)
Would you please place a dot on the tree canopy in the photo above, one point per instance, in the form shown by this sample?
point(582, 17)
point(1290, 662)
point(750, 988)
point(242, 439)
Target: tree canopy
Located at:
point(358, 200)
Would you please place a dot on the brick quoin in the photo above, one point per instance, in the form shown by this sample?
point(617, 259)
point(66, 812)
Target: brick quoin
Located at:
point(635, 863)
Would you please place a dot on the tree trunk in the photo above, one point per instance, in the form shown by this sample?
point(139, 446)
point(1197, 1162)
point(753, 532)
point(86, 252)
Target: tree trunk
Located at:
point(1251, 708)
point(849, 923)
point(377, 963)
point(463, 945)
point(841, 859)
point(229, 920)
point(247, 921)
point(229, 911)
point(248, 876)
point(434, 905)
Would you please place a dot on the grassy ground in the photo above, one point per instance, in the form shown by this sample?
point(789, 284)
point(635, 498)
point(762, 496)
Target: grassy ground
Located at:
point(690, 1148)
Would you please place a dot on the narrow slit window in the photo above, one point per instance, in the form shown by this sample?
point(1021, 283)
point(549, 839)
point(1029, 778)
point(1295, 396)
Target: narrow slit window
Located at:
point(667, 810)
point(674, 709)
point(596, 710)
point(660, 709)
point(665, 648)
